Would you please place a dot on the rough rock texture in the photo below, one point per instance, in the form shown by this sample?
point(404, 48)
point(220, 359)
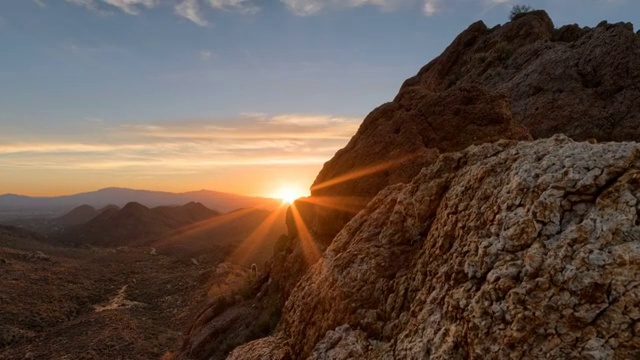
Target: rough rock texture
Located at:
point(399, 138)
point(547, 76)
point(581, 82)
point(521, 79)
point(392, 145)
point(504, 250)
point(224, 318)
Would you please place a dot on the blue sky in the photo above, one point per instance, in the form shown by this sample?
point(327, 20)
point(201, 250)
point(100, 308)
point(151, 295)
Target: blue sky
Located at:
point(189, 94)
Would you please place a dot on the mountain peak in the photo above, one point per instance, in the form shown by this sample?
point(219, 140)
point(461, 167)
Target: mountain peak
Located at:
point(134, 206)
point(444, 175)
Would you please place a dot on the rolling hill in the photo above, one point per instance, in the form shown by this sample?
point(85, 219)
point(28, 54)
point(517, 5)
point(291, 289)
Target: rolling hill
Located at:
point(136, 224)
point(244, 236)
point(18, 206)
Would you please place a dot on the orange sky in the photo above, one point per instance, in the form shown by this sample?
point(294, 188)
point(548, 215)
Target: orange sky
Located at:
point(257, 180)
point(253, 154)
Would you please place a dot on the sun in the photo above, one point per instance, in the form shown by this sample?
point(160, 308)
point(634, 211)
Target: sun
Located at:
point(288, 194)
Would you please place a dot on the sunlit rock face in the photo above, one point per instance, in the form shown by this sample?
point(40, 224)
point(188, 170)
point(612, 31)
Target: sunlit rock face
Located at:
point(504, 250)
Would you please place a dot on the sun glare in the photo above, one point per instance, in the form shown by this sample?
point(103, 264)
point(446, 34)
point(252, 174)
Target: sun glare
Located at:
point(289, 194)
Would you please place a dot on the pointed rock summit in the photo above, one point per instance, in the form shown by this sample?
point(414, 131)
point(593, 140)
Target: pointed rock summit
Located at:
point(521, 78)
point(456, 224)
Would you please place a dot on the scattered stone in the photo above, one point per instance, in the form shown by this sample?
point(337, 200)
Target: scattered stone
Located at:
point(39, 256)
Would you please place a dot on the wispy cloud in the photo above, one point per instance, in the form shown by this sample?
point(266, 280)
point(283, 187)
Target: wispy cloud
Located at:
point(131, 7)
point(40, 3)
point(194, 10)
point(207, 55)
point(243, 6)
point(190, 10)
point(304, 7)
point(84, 50)
point(251, 139)
point(431, 7)
point(311, 7)
point(88, 4)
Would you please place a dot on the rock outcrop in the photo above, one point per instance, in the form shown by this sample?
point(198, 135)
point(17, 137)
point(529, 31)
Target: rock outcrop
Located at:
point(214, 336)
point(487, 85)
point(550, 75)
point(494, 251)
point(547, 76)
point(526, 250)
point(401, 137)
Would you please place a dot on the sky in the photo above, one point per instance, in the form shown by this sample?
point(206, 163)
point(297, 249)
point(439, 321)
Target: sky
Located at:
point(242, 96)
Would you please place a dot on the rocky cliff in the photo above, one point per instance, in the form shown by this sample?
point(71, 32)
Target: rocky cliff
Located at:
point(524, 77)
point(549, 74)
point(545, 75)
point(469, 250)
point(525, 250)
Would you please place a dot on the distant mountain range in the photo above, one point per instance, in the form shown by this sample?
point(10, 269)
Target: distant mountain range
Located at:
point(82, 214)
point(18, 206)
point(135, 224)
point(245, 236)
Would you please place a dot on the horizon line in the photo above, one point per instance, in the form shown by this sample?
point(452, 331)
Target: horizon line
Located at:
point(133, 189)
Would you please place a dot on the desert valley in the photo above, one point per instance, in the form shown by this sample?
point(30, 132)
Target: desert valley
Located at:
point(124, 282)
point(490, 210)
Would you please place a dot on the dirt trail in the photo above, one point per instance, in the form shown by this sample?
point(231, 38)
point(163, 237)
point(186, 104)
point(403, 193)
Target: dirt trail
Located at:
point(118, 302)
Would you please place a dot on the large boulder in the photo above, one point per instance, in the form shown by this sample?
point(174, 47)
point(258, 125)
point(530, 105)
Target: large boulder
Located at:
point(510, 249)
point(520, 81)
point(581, 82)
point(487, 85)
point(391, 146)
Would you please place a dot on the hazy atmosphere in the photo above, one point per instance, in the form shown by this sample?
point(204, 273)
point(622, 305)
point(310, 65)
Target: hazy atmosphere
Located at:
point(319, 179)
point(237, 95)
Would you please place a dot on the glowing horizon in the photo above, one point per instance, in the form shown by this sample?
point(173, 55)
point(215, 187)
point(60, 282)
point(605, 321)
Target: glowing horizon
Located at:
point(184, 95)
point(251, 154)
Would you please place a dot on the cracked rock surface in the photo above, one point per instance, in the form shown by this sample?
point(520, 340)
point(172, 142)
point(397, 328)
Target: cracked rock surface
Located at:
point(521, 250)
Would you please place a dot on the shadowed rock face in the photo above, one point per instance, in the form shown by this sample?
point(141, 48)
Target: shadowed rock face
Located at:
point(391, 146)
point(581, 82)
point(399, 138)
point(503, 250)
point(521, 78)
point(476, 253)
point(584, 83)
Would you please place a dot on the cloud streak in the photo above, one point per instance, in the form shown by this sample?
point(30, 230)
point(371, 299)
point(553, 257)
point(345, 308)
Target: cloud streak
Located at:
point(311, 7)
point(131, 7)
point(190, 10)
point(247, 140)
point(242, 6)
point(193, 10)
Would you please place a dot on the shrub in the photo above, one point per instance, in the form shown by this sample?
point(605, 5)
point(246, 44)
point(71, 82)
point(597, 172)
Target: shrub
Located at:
point(503, 52)
point(518, 10)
